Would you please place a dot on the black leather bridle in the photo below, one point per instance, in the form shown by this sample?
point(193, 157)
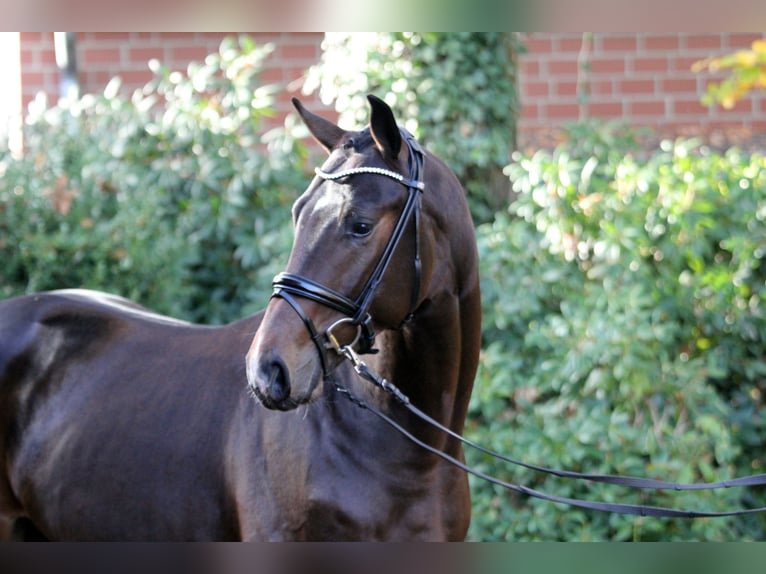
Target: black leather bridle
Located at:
point(356, 311)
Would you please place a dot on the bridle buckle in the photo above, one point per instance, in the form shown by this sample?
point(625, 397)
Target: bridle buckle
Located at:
point(332, 341)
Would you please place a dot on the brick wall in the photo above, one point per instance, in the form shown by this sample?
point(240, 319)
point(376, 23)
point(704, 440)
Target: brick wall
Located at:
point(102, 55)
point(644, 79)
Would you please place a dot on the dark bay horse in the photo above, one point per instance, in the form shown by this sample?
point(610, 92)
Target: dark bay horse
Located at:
point(117, 423)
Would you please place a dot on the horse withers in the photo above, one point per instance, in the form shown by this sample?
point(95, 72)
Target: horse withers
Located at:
point(117, 423)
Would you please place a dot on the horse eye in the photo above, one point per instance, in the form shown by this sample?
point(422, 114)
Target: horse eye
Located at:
point(361, 228)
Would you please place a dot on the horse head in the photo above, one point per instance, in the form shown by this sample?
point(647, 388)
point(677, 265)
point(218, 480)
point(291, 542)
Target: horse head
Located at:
point(362, 261)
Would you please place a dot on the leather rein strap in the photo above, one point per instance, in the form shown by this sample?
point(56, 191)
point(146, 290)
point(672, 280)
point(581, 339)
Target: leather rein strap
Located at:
point(629, 481)
point(286, 285)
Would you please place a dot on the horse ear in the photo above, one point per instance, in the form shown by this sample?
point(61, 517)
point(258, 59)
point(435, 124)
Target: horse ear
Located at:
point(324, 131)
point(383, 128)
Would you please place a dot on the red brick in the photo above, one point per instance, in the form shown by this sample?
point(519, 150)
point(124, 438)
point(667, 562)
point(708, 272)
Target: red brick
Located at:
point(636, 87)
point(132, 79)
point(100, 56)
point(626, 43)
point(679, 85)
point(704, 41)
point(605, 109)
point(566, 88)
point(569, 44)
point(537, 45)
point(648, 108)
point(530, 111)
point(262, 38)
point(27, 57)
point(294, 73)
point(529, 67)
point(143, 55)
point(661, 42)
point(181, 55)
point(35, 37)
point(650, 64)
point(535, 89)
point(271, 75)
point(563, 67)
point(47, 57)
point(686, 107)
point(742, 40)
point(299, 52)
point(605, 65)
point(684, 63)
point(98, 79)
point(560, 111)
point(32, 80)
point(600, 87)
point(744, 105)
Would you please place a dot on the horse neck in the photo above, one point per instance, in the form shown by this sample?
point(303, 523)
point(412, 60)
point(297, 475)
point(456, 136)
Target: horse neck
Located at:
point(433, 357)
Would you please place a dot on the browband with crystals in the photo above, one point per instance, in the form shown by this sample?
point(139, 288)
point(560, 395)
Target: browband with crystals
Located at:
point(375, 170)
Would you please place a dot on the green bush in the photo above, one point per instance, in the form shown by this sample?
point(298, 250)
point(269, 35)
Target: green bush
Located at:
point(624, 333)
point(171, 197)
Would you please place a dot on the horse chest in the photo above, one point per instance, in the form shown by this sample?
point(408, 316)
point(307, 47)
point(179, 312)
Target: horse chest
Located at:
point(359, 505)
point(328, 487)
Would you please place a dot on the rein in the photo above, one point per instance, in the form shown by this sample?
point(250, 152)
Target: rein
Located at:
point(367, 374)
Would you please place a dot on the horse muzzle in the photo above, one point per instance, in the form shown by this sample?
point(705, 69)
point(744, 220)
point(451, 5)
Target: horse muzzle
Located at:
point(269, 380)
point(283, 372)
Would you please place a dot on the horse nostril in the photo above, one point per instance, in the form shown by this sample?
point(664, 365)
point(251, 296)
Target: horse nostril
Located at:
point(277, 381)
point(269, 379)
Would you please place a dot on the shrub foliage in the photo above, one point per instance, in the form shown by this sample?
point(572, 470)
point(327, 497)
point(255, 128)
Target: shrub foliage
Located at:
point(172, 197)
point(747, 72)
point(624, 333)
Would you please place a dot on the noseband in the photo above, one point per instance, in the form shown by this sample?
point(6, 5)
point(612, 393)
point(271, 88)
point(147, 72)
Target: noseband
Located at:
point(356, 311)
